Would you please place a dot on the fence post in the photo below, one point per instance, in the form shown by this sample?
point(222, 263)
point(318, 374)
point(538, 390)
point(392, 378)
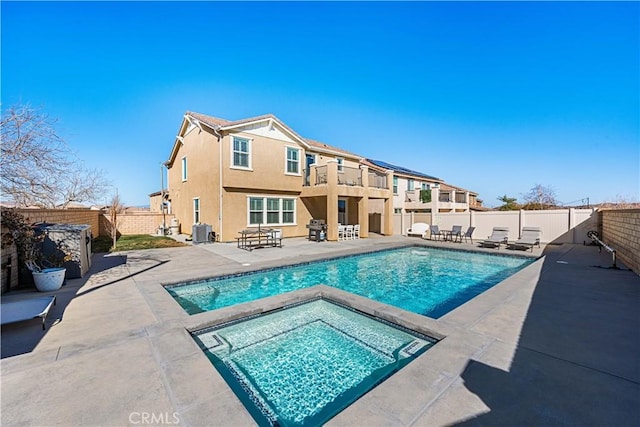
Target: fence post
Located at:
point(571, 221)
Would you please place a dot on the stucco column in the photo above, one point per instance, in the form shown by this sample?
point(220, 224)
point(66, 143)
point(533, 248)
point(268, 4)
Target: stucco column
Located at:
point(332, 200)
point(387, 227)
point(363, 203)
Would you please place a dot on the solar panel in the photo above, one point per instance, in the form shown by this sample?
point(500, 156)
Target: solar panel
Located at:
point(400, 169)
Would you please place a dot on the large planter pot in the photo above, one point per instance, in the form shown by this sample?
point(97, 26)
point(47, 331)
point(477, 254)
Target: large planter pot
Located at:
point(49, 279)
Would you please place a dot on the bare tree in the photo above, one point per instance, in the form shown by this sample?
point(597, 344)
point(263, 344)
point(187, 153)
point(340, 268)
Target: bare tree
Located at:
point(115, 209)
point(540, 197)
point(37, 168)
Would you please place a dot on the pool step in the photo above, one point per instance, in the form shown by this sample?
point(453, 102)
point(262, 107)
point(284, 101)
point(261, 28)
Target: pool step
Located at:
point(213, 341)
point(413, 347)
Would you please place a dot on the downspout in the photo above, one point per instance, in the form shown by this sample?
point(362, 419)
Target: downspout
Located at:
point(216, 133)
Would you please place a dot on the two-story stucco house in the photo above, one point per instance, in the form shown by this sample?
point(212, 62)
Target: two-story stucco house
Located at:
point(258, 171)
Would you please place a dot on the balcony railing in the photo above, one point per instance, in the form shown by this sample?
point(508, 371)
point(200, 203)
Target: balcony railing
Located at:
point(350, 176)
point(377, 179)
point(321, 175)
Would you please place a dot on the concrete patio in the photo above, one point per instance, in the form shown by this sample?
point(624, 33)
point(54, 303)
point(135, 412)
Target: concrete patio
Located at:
point(555, 344)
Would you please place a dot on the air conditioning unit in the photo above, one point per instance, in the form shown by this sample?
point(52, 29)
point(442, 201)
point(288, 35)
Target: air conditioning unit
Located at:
point(200, 233)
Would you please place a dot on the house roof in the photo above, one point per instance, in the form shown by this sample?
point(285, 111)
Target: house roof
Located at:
point(219, 124)
point(321, 146)
point(401, 170)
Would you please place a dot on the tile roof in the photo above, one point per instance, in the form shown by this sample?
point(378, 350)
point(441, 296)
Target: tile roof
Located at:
point(217, 122)
point(321, 145)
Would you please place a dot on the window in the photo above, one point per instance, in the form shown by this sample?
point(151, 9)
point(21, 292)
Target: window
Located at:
point(340, 164)
point(196, 210)
point(293, 160)
point(271, 211)
point(426, 186)
point(410, 185)
point(397, 210)
point(184, 168)
point(256, 207)
point(241, 153)
point(395, 185)
point(288, 211)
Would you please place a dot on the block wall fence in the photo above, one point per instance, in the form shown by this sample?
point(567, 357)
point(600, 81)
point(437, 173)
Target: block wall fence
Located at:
point(620, 229)
point(129, 222)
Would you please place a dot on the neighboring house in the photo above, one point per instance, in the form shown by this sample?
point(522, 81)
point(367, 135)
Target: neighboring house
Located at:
point(158, 202)
point(258, 171)
point(421, 193)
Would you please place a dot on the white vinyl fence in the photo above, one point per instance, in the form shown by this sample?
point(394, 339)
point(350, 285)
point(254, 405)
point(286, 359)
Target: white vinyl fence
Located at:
point(557, 225)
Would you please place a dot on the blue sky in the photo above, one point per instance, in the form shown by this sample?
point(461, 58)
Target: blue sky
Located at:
point(492, 97)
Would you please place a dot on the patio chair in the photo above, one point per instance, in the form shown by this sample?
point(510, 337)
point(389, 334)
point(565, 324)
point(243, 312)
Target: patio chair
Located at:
point(348, 233)
point(499, 235)
point(356, 231)
point(529, 238)
point(467, 234)
point(456, 233)
point(435, 231)
point(342, 232)
point(418, 229)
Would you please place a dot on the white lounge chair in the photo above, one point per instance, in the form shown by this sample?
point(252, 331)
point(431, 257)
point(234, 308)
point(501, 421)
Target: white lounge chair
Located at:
point(530, 237)
point(499, 235)
point(418, 229)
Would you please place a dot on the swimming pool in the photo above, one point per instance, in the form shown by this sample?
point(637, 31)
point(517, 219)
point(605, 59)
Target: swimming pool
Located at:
point(303, 364)
point(427, 281)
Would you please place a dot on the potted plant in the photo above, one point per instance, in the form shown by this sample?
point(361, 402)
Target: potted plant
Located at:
point(48, 270)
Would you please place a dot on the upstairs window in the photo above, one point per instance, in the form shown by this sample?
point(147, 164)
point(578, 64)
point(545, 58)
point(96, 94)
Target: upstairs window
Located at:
point(293, 161)
point(395, 185)
point(340, 164)
point(184, 168)
point(410, 185)
point(241, 153)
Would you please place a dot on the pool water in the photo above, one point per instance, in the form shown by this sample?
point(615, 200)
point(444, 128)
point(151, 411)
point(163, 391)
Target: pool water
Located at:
point(426, 281)
point(304, 364)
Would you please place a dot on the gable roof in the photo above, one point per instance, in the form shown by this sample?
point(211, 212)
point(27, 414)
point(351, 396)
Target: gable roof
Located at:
point(402, 170)
point(218, 124)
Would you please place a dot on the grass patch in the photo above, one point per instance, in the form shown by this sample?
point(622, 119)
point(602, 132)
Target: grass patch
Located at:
point(133, 242)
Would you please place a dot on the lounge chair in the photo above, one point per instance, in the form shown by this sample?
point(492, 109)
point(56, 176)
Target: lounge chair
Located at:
point(418, 229)
point(18, 311)
point(435, 232)
point(529, 238)
point(467, 234)
point(499, 235)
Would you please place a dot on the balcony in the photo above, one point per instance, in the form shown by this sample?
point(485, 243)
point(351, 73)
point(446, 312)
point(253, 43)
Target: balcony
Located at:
point(345, 181)
point(418, 199)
